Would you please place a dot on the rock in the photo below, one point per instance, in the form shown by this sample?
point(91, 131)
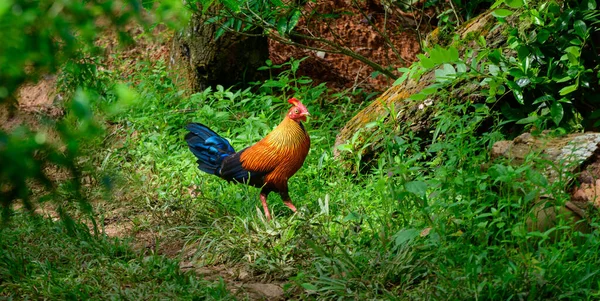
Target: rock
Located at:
point(545, 215)
point(565, 156)
point(569, 151)
point(268, 290)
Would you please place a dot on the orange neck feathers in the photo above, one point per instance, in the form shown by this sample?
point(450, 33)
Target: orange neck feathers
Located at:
point(288, 134)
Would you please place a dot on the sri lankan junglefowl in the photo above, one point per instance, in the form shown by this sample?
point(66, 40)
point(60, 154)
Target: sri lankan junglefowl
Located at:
point(268, 164)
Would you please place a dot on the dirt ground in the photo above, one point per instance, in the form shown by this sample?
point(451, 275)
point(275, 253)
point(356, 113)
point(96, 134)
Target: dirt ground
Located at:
point(386, 36)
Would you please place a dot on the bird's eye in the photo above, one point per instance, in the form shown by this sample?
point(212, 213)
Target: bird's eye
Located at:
point(296, 111)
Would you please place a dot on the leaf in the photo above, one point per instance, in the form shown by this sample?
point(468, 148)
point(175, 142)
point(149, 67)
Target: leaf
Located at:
point(516, 72)
point(405, 236)
point(502, 13)
point(580, 28)
point(498, 171)
point(556, 112)
point(219, 32)
point(295, 65)
point(426, 62)
point(282, 26)
point(519, 96)
point(494, 69)
point(147, 5)
point(573, 50)
point(482, 41)
point(564, 100)
point(418, 188)
point(274, 84)
point(495, 56)
point(538, 21)
point(401, 79)
point(453, 54)
point(522, 82)
point(417, 96)
point(568, 89)
point(523, 53)
point(527, 120)
point(294, 19)
point(352, 216)
point(345, 147)
point(232, 5)
point(543, 35)
point(516, 91)
point(536, 178)
point(437, 55)
point(543, 98)
point(309, 287)
point(514, 3)
point(430, 89)
point(238, 25)
point(446, 73)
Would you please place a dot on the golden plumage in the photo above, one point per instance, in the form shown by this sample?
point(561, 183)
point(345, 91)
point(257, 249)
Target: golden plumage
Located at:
point(280, 154)
point(268, 164)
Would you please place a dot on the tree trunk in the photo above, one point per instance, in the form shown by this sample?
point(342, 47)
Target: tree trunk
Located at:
point(227, 60)
point(401, 115)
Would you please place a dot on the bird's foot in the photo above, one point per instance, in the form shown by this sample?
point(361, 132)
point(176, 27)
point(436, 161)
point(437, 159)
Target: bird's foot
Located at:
point(263, 200)
point(290, 205)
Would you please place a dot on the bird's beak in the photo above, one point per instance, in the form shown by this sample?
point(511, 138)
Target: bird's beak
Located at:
point(303, 115)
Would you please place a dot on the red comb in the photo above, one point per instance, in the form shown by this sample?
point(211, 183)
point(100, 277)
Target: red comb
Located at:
point(293, 101)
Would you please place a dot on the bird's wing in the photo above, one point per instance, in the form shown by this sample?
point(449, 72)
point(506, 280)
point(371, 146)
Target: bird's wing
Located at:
point(250, 165)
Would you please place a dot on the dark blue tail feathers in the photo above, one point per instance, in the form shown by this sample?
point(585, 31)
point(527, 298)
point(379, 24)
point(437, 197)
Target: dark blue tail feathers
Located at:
point(208, 147)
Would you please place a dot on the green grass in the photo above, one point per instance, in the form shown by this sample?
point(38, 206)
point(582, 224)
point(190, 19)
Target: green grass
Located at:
point(40, 259)
point(425, 222)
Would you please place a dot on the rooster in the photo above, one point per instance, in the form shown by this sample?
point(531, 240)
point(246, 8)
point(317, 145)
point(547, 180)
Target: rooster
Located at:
point(268, 164)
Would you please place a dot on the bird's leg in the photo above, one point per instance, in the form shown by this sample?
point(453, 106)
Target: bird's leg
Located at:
point(287, 200)
point(290, 205)
point(263, 199)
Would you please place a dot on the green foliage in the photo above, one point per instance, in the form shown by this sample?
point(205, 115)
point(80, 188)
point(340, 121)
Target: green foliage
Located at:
point(38, 38)
point(546, 76)
point(287, 83)
point(246, 16)
point(42, 38)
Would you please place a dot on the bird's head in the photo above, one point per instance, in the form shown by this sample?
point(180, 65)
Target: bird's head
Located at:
point(298, 112)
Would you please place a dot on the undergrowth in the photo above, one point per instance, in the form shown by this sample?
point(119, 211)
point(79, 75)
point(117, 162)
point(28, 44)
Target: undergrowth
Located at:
point(429, 220)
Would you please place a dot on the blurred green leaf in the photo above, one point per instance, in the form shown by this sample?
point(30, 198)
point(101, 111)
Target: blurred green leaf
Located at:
point(514, 3)
point(556, 112)
point(294, 19)
point(502, 13)
point(568, 89)
point(418, 188)
point(405, 236)
point(580, 28)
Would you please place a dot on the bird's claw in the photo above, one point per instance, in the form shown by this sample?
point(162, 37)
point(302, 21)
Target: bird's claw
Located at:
point(290, 205)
